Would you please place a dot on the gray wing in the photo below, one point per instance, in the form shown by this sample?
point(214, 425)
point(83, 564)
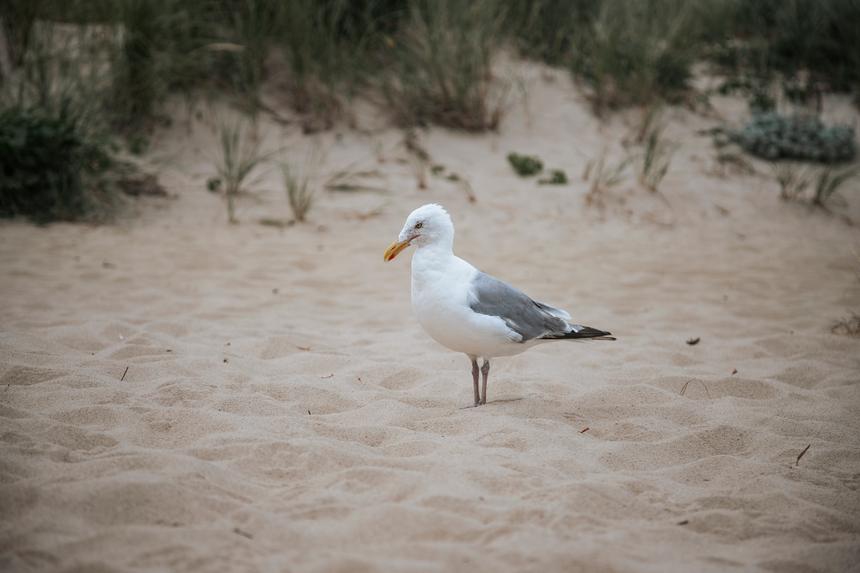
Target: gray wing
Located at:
point(526, 317)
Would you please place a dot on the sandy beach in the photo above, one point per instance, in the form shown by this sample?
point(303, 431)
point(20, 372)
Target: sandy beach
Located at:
point(180, 394)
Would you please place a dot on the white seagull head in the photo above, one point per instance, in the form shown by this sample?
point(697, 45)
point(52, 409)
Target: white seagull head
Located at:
point(427, 225)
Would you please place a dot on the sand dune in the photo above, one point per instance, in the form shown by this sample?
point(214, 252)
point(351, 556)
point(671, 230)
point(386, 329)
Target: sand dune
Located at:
point(180, 394)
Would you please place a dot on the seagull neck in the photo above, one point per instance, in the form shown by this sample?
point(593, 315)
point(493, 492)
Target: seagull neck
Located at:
point(436, 254)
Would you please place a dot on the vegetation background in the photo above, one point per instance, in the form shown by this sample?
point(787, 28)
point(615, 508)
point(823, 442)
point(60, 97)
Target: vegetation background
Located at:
point(91, 79)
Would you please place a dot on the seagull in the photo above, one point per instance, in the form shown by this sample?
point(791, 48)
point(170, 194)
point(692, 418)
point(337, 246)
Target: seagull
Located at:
point(472, 312)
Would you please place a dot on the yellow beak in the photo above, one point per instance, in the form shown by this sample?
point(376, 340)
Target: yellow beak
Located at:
point(395, 249)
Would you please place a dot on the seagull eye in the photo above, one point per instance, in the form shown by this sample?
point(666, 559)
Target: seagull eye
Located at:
point(419, 224)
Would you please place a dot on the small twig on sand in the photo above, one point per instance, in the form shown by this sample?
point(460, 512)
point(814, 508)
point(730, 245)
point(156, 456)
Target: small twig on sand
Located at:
point(585, 429)
point(687, 383)
point(693, 341)
point(123, 374)
point(801, 455)
point(238, 531)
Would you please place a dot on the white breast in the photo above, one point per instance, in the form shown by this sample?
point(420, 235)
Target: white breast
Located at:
point(440, 300)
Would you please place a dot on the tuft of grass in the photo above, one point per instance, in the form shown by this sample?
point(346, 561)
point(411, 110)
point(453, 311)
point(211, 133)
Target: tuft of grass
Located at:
point(250, 25)
point(603, 177)
point(793, 178)
point(440, 65)
point(525, 165)
point(239, 156)
point(300, 194)
point(550, 30)
point(829, 181)
point(656, 158)
point(636, 53)
point(327, 47)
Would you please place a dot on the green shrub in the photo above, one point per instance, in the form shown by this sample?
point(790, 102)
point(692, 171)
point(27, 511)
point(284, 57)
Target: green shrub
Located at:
point(774, 136)
point(813, 39)
point(51, 170)
point(525, 165)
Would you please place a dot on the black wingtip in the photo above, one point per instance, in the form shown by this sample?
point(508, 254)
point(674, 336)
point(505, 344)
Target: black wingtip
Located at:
point(585, 332)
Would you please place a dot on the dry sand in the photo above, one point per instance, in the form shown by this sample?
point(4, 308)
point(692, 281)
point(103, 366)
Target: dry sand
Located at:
point(281, 410)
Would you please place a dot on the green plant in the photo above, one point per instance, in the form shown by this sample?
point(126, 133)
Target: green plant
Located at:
point(300, 195)
point(52, 169)
point(525, 165)
point(774, 136)
point(556, 177)
point(239, 156)
point(441, 65)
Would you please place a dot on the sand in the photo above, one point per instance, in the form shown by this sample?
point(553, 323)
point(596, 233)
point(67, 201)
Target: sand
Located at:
point(179, 394)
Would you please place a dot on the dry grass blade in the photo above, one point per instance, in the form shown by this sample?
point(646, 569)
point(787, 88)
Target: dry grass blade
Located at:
point(801, 454)
point(687, 384)
point(419, 157)
point(467, 189)
point(441, 65)
point(347, 180)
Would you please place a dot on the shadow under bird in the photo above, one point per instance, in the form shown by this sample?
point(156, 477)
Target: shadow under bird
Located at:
point(469, 311)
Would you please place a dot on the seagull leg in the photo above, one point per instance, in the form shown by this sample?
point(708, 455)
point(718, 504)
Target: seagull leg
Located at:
point(475, 379)
point(485, 370)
